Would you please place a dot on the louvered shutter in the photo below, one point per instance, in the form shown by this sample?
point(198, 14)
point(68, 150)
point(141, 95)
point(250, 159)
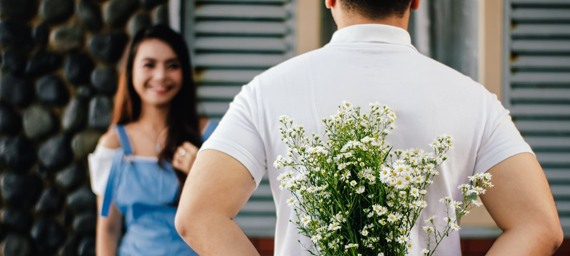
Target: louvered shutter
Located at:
point(537, 86)
point(232, 41)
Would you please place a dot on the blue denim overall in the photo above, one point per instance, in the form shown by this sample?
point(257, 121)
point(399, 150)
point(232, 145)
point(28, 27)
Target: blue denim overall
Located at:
point(143, 192)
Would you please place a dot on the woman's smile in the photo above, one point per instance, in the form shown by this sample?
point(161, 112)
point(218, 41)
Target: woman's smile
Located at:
point(160, 89)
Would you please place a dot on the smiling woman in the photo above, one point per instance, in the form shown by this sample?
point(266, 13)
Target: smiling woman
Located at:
point(141, 163)
point(157, 73)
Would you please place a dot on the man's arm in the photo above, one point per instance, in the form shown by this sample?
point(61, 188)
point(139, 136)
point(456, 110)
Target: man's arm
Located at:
point(217, 187)
point(522, 205)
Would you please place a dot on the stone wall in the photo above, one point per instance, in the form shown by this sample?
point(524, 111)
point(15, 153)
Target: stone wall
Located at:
point(57, 80)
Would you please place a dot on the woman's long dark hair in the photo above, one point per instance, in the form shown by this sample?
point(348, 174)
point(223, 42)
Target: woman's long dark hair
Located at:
point(183, 119)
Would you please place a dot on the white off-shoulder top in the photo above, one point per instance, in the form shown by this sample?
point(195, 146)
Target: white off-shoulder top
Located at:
point(101, 160)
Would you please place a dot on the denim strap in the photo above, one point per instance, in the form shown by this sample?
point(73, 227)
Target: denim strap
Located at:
point(111, 183)
point(124, 139)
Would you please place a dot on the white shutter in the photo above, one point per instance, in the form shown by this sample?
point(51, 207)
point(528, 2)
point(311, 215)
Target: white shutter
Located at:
point(537, 86)
point(231, 42)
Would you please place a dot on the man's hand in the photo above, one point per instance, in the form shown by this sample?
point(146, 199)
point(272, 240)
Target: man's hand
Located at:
point(215, 191)
point(522, 205)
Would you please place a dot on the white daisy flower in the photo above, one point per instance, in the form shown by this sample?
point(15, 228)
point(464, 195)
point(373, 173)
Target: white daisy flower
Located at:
point(305, 220)
point(428, 229)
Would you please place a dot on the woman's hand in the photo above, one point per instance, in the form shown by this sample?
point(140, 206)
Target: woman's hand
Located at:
point(184, 157)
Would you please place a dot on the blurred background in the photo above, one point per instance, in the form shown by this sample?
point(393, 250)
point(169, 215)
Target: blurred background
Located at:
point(59, 74)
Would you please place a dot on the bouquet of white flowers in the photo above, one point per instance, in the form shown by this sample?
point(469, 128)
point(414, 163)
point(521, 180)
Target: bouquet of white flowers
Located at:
point(354, 195)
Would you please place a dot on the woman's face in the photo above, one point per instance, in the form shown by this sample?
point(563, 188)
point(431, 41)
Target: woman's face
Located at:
point(157, 73)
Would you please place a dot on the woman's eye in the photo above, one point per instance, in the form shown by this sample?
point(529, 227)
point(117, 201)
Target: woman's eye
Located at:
point(148, 65)
point(173, 66)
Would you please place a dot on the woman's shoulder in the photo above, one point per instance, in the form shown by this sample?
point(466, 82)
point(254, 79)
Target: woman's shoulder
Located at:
point(110, 140)
point(101, 160)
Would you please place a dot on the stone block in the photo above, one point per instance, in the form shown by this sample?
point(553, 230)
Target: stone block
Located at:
point(56, 11)
point(56, 152)
point(51, 90)
point(90, 15)
point(108, 47)
point(39, 122)
point(15, 90)
point(100, 112)
point(21, 191)
point(49, 235)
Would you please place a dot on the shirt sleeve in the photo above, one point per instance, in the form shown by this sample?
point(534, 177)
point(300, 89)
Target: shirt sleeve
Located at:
point(501, 139)
point(238, 134)
point(100, 163)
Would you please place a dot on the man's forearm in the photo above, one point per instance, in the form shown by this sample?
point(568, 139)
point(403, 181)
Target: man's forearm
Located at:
point(525, 242)
point(215, 235)
point(217, 187)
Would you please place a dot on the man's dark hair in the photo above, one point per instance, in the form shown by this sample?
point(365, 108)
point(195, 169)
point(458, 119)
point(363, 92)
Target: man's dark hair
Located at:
point(377, 9)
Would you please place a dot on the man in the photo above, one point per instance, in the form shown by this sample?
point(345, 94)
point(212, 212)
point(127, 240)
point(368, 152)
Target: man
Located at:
point(369, 59)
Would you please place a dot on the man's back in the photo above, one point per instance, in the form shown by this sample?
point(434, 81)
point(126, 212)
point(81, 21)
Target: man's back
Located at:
point(364, 64)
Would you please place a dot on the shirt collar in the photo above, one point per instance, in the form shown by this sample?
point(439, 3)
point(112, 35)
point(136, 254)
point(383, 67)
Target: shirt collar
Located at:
point(372, 33)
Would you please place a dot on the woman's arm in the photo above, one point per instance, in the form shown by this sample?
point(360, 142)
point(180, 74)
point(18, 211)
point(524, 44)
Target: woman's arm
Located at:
point(108, 230)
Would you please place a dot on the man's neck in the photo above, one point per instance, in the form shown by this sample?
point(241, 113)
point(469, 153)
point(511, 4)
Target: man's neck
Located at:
point(391, 21)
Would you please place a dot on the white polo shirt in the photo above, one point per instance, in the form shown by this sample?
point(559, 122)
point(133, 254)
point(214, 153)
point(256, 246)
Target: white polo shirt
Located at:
point(363, 64)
